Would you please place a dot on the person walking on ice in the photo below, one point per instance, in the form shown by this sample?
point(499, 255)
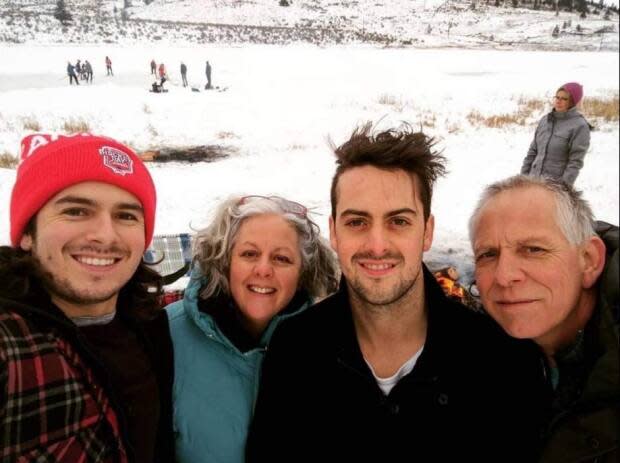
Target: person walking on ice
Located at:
point(184, 73)
point(108, 66)
point(71, 74)
point(162, 74)
point(208, 73)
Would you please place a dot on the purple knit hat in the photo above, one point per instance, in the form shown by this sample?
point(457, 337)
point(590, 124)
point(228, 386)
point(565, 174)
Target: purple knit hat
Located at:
point(575, 91)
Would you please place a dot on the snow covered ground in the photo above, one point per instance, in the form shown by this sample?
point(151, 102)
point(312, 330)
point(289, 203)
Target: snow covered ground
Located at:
point(281, 104)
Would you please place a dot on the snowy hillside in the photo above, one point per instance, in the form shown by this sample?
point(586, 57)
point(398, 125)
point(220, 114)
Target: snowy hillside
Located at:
point(408, 23)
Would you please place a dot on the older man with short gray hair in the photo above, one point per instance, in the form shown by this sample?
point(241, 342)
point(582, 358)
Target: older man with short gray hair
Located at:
point(541, 273)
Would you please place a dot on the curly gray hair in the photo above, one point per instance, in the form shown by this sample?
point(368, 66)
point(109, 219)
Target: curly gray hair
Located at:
point(213, 245)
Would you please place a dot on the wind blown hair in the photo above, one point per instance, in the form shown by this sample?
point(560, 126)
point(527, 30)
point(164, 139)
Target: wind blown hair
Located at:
point(393, 149)
point(572, 213)
point(213, 247)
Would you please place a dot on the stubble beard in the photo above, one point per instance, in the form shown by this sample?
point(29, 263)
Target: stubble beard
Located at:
point(375, 298)
point(64, 290)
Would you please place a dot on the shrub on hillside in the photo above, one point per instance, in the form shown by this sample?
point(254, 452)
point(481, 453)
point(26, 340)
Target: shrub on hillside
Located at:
point(8, 161)
point(30, 123)
point(61, 13)
point(606, 109)
point(75, 126)
point(595, 108)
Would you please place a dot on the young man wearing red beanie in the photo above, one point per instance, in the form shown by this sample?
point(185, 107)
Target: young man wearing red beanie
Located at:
point(85, 356)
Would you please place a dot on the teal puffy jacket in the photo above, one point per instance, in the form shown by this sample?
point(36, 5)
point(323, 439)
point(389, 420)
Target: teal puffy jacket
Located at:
point(215, 384)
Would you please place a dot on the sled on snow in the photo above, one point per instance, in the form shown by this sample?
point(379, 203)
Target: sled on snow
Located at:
point(170, 256)
point(158, 88)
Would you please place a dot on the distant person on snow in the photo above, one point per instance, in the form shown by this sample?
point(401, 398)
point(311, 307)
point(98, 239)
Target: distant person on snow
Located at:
point(184, 74)
point(78, 68)
point(88, 72)
point(108, 66)
point(153, 67)
point(561, 140)
point(71, 74)
point(208, 73)
point(162, 74)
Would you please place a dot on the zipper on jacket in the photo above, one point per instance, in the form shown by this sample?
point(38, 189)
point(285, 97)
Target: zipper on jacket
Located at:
point(548, 141)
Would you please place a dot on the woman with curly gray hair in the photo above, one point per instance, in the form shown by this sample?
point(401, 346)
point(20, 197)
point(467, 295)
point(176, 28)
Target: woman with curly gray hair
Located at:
point(260, 261)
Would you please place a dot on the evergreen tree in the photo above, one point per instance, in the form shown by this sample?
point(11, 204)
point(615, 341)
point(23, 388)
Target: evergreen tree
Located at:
point(582, 7)
point(61, 13)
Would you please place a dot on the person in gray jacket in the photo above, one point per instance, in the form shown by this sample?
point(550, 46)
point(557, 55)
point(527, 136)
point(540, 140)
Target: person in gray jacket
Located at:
point(561, 140)
point(261, 260)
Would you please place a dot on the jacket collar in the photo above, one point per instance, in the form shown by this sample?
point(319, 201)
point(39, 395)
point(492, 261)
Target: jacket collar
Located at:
point(208, 324)
point(38, 304)
point(435, 353)
point(570, 114)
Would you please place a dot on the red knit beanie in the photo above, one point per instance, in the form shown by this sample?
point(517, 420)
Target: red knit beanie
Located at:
point(51, 163)
point(575, 90)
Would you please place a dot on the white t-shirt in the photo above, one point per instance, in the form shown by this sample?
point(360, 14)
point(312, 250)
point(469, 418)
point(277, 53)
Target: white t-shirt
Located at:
point(386, 384)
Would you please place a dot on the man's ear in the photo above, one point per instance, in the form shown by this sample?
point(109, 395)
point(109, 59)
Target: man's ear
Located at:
point(429, 231)
point(593, 261)
point(26, 242)
point(332, 234)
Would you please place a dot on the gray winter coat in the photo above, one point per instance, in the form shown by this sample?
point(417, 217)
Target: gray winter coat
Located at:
point(559, 146)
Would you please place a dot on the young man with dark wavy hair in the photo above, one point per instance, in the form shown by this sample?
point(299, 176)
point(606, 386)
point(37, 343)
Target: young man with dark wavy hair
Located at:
point(85, 359)
point(389, 368)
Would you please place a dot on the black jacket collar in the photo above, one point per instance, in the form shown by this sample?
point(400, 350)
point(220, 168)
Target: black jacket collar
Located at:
point(341, 331)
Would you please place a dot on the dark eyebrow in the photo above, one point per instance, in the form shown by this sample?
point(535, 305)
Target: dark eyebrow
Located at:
point(130, 206)
point(354, 212)
point(76, 200)
point(89, 202)
point(404, 210)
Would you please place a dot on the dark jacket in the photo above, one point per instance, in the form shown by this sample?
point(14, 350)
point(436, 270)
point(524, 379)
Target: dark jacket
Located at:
point(585, 425)
point(474, 395)
point(559, 146)
point(40, 344)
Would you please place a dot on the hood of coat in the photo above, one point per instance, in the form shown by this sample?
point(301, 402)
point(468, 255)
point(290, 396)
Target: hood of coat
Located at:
point(207, 323)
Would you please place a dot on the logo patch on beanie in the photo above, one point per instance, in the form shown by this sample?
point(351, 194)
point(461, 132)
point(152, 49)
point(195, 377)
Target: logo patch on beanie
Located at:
point(116, 160)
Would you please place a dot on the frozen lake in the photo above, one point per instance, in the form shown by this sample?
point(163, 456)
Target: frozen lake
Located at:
point(281, 104)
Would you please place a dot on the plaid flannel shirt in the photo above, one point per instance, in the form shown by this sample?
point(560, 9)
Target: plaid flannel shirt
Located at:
point(51, 407)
